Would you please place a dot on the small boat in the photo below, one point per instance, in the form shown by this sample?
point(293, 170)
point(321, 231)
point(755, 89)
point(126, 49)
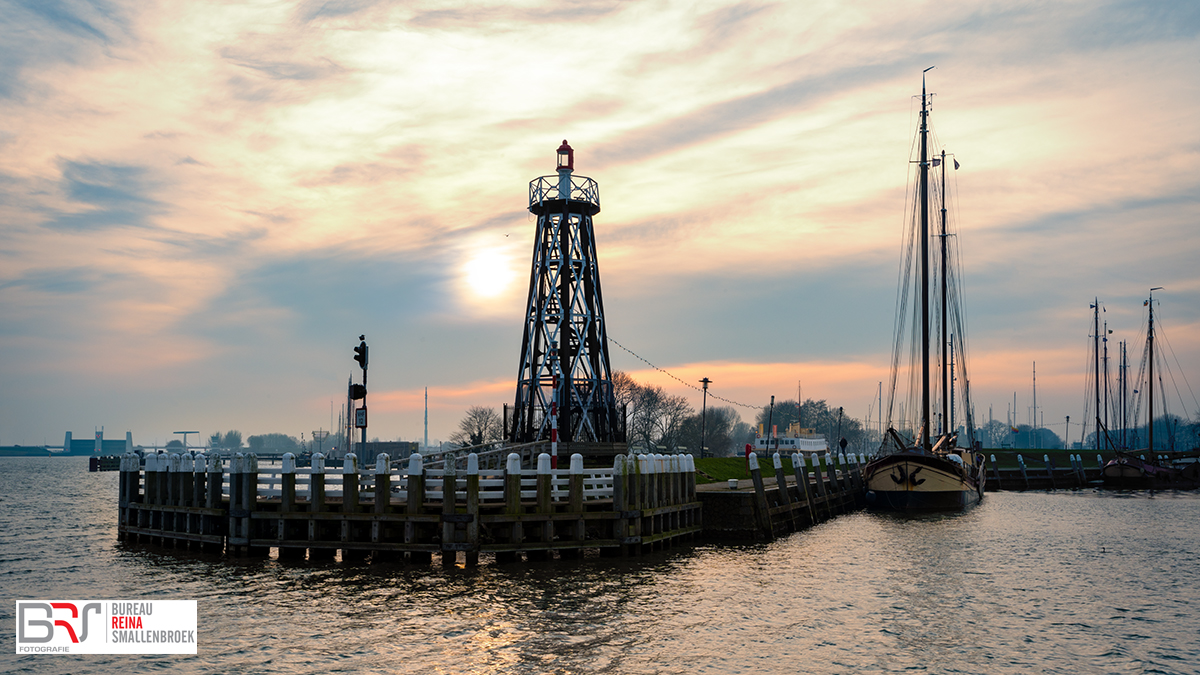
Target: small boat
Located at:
point(931, 471)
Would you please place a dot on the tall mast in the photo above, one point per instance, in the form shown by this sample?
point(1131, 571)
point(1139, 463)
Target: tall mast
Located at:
point(924, 189)
point(1096, 360)
point(1150, 341)
point(1104, 339)
point(1125, 389)
point(945, 359)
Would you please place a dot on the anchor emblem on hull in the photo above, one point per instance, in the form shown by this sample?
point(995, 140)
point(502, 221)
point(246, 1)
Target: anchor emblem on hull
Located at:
point(901, 478)
point(912, 478)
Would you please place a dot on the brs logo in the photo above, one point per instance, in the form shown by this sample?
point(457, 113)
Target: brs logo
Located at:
point(37, 622)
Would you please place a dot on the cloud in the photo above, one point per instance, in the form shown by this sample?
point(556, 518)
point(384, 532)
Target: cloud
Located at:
point(60, 281)
point(54, 31)
point(118, 195)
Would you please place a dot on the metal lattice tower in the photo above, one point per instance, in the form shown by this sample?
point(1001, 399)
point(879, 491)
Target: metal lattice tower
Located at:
point(565, 346)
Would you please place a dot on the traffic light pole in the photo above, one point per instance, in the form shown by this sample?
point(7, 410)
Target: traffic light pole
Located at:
point(360, 355)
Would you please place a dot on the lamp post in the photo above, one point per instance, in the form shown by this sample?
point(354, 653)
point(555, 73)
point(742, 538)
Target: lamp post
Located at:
point(704, 414)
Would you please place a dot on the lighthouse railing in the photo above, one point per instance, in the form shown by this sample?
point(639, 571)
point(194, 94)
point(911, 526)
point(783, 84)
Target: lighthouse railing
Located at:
point(583, 189)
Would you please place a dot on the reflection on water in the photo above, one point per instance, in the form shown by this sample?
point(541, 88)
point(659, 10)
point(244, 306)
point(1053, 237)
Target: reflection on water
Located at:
point(1062, 582)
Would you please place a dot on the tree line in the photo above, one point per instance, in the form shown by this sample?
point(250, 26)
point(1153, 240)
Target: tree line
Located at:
point(658, 421)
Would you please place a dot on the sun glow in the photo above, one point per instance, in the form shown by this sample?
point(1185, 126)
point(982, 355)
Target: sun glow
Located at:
point(489, 274)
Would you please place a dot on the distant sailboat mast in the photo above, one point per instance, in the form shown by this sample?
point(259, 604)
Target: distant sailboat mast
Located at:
point(1150, 342)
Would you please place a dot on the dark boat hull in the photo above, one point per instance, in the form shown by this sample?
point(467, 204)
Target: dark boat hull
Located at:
point(910, 481)
point(1132, 473)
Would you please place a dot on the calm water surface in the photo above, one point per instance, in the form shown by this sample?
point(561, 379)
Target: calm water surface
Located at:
point(1065, 582)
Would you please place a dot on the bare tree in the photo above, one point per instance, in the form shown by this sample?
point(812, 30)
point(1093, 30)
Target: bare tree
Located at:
point(656, 418)
point(480, 425)
point(718, 431)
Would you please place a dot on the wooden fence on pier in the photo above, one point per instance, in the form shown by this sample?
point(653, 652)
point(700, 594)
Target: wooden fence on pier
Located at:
point(234, 505)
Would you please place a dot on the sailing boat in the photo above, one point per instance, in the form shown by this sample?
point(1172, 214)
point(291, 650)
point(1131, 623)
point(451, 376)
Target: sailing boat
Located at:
point(931, 471)
point(1135, 472)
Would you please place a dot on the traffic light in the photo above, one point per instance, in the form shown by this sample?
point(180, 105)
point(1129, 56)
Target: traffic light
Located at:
point(357, 391)
point(360, 354)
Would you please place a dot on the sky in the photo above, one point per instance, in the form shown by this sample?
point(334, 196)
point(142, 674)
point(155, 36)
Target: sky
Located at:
point(203, 205)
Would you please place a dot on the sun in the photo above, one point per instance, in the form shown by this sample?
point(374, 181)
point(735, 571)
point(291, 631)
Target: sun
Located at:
point(489, 274)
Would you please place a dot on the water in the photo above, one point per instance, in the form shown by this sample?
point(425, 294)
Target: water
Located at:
point(1066, 582)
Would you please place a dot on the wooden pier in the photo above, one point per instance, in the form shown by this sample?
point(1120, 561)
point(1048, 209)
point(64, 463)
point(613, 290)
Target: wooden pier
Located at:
point(765, 507)
point(237, 507)
point(403, 511)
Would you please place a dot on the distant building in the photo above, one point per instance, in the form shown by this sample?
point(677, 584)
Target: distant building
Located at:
point(97, 446)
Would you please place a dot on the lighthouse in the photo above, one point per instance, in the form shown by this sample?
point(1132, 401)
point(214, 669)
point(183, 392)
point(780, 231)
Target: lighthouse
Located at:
point(565, 382)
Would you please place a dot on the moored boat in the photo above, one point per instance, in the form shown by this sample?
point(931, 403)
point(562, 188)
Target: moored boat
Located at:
point(932, 471)
point(1132, 471)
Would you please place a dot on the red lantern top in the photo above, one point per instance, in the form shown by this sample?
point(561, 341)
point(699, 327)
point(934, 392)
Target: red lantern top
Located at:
point(566, 157)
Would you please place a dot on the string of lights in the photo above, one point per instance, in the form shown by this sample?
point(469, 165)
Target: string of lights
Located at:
point(677, 379)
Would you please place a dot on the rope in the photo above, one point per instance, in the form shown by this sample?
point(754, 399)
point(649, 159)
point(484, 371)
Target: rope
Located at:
point(673, 377)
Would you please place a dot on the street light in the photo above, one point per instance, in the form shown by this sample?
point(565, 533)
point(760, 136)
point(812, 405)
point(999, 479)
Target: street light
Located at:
point(704, 414)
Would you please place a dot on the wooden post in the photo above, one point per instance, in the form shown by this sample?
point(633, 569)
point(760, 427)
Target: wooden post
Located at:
point(123, 509)
point(316, 505)
point(349, 487)
point(996, 473)
point(575, 506)
point(150, 479)
point(1024, 473)
point(545, 506)
point(349, 529)
point(237, 539)
point(172, 482)
point(781, 483)
point(250, 464)
point(287, 504)
point(472, 554)
point(803, 489)
point(620, 503)
point(831, 470)
point(449, 499)
point(761, 512)
point(199, 466)
point(162, 480)
point(1049, 471)
point(512, 505)
point(689, 492)
point(415, 505)
point(212, 483)
point(186, 468)
point(382, 504)
point(649, 523)
point(822, 496)
point(383, 488)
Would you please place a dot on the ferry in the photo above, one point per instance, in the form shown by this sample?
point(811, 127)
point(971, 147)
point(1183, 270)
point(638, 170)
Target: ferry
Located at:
point(797, 439)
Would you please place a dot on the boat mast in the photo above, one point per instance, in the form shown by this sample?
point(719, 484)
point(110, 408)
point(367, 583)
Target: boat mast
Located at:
point(1106, 404)
point(1150, 341)
point(945, 337)
point(1096, 360)
point(924, 189)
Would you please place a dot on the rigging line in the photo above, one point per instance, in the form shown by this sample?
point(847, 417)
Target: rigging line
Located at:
point(673, 377)
point(1163, 334)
